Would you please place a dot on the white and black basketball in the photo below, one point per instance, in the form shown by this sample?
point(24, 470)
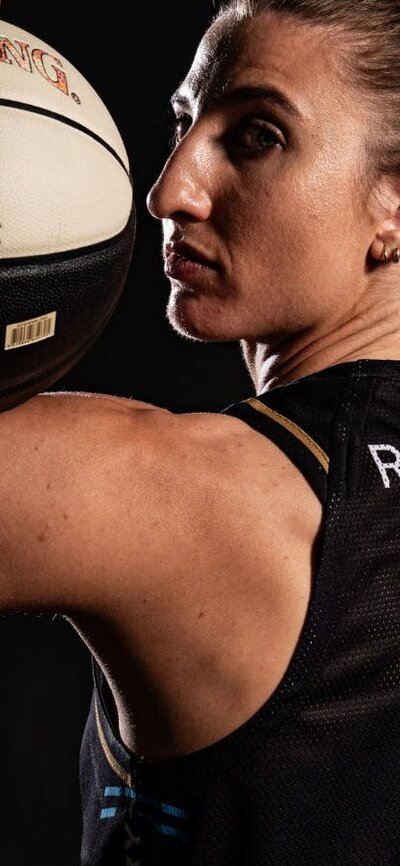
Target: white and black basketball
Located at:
point(67, 217)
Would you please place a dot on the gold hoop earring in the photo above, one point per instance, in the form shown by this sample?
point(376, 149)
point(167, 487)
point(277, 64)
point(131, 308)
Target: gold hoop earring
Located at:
point(396, 256)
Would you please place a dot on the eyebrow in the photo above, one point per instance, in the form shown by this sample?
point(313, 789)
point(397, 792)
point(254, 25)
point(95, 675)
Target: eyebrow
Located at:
point(242, 94)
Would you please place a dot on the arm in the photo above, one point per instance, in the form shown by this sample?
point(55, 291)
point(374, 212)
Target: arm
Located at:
point(157, 534)
point(102, 498)
point(78, 483)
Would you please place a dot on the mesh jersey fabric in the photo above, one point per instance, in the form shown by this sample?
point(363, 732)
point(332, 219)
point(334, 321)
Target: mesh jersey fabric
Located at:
point(313, 777)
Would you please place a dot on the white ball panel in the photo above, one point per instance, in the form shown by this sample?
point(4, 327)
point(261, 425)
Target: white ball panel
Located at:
point(77, 195)
point(33, 87)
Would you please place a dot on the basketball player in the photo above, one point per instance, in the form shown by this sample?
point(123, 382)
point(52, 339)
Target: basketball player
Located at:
point(237, 575)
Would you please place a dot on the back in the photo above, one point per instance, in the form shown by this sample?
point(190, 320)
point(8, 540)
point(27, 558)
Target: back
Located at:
point(312, 777)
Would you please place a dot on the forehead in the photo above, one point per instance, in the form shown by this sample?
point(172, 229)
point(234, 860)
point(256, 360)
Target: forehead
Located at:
point(270, 49)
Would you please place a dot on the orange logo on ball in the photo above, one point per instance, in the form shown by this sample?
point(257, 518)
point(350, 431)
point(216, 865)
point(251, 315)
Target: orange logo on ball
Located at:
point(50, 67)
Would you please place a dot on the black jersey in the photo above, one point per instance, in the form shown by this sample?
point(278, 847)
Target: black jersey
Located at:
point(314, 776)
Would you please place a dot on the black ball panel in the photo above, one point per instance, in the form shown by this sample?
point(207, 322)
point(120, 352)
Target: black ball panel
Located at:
point(82, 286)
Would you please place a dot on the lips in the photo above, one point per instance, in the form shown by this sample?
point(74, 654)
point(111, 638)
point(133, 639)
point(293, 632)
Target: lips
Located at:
point(186, 270)
point(185, 262)
point(187, 252)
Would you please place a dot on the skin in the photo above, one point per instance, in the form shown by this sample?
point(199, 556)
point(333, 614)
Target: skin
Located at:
point(178, 538)
point(289, 218)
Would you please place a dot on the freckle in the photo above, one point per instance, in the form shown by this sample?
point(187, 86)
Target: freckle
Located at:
point(36, 448)
point(65, 516)
point(201, 614)
point(144, 600)
point(48, 485)
point(41, 537)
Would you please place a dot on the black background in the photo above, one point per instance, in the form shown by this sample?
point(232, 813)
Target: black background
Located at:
point(45, 674)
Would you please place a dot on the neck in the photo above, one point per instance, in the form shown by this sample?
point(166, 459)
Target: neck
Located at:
point(275, 363)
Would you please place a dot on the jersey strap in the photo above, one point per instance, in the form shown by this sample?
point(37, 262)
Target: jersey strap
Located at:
point(309, 457)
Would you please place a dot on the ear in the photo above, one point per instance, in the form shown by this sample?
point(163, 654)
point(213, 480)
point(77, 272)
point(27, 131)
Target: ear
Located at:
point(387, 233)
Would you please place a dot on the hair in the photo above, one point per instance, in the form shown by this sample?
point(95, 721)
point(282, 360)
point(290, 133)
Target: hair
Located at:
point(369, 58)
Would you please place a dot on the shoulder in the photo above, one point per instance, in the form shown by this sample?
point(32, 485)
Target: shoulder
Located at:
point(74, 425)
point(93, 485)
point(98, 490)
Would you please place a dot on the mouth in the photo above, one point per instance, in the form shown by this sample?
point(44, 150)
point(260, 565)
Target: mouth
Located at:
point(183, 262)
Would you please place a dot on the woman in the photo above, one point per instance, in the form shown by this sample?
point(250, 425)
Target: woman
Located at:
point(236, 576)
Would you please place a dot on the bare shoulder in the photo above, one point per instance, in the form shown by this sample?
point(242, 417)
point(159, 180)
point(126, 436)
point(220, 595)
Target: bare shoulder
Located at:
point(157, 532)
point(92, 485)
point(102, 497)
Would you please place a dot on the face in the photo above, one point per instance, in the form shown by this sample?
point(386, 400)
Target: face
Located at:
point(264, 181)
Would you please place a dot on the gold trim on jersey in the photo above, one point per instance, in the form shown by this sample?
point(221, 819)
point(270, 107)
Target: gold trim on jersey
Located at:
point(114, 764)
point(293, 428)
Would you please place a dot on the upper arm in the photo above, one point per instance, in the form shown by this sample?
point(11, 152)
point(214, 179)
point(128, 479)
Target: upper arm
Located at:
point(107, 504)
point(82, 489)
point(98, 498)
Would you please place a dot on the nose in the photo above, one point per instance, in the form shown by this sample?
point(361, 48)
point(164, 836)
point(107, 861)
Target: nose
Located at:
point(183, 190)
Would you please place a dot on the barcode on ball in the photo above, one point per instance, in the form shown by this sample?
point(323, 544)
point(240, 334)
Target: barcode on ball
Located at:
point(23, 333)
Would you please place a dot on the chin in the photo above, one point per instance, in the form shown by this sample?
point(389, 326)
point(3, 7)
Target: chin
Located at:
point(181, 314)
point(183, 325)
point(195, 327)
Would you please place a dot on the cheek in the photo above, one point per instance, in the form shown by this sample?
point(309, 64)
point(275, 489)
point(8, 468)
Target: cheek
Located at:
point(297, 226)
point(325, 195)
point(286, 235)
point(264, 236)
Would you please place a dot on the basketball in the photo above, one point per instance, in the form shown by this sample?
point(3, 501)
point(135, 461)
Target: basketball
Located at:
point(67, 218)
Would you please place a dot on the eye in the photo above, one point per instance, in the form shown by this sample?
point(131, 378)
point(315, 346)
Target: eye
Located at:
point(253, 137)
point(179, 128)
